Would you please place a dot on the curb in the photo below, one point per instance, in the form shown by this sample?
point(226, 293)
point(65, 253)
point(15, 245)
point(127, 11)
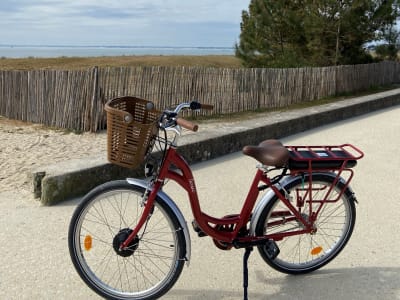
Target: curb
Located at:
point(68, 180)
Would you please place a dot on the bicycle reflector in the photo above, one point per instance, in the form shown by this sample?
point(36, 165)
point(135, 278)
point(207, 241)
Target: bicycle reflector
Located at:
point(88, 242)
point(316, 250)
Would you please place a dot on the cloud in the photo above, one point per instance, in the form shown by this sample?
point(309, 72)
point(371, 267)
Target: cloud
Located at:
point(106, 21)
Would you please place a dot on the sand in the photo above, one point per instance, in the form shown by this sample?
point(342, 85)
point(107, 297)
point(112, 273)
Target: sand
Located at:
point(26, 147)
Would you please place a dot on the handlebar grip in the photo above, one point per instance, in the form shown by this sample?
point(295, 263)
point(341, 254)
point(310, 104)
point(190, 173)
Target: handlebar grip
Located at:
point(187, 124)
point(207, 106)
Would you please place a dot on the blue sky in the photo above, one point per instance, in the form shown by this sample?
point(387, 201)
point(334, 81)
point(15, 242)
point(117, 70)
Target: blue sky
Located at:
point(189, 23)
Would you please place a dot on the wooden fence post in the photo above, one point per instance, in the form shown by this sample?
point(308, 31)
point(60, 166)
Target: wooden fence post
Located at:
point(94, 103)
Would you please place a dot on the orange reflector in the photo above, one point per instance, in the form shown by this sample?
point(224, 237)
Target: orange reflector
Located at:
point(316, 250)
point(88, 242)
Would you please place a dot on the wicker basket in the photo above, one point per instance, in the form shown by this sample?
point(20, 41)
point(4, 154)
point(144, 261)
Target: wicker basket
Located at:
point(131, 128)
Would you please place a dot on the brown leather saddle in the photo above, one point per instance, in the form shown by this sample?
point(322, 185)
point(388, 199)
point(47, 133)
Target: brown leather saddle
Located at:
point(269, 153)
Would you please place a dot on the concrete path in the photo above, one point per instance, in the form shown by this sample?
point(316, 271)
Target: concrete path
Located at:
point(35, 263)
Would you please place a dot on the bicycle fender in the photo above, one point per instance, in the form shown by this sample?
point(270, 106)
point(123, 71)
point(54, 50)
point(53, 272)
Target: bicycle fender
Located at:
point(270, 195)
point(171, 204)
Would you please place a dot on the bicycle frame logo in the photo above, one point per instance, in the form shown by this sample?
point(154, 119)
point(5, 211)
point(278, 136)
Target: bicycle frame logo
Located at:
point(192, 185)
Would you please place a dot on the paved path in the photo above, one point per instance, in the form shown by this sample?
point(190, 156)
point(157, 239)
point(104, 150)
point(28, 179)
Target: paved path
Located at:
point(35, 264)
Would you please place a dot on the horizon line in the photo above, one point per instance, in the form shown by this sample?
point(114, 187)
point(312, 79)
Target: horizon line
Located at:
point(113, 46)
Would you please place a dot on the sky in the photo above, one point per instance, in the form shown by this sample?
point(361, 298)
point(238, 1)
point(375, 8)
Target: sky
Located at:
point(177, 23)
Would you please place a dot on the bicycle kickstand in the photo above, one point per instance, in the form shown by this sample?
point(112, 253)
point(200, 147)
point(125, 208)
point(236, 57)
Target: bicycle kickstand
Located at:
point(246, 271)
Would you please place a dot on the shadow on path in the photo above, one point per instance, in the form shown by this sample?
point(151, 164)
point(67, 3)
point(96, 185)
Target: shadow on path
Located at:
point(355, 283)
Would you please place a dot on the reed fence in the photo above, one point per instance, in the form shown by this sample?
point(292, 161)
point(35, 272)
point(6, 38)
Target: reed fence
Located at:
point(75, 99)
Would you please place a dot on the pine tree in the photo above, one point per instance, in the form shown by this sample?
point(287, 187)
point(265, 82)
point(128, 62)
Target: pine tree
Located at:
point(391, 44)
point(312, 32)
point(271, 32)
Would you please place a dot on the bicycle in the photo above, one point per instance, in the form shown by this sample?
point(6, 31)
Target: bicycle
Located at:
point(129, 240)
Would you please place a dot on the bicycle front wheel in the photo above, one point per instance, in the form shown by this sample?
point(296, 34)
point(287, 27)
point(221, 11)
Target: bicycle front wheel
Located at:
point(303, 253)
point(155, 258)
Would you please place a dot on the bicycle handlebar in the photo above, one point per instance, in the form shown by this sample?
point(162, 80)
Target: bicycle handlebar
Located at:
point(207, 106)
point(187, 124)
point(194, 105)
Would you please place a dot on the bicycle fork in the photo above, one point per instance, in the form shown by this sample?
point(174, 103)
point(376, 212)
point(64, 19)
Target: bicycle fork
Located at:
point(148, 203)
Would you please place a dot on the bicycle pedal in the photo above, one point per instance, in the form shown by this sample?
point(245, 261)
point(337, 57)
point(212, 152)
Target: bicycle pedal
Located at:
point(271, 249)
point(197, 229)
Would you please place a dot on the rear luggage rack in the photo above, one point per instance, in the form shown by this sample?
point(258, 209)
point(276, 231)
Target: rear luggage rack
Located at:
point(323, 157)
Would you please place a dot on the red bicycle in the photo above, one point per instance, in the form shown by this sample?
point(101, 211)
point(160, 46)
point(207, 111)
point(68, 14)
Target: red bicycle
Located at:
point(129, 240)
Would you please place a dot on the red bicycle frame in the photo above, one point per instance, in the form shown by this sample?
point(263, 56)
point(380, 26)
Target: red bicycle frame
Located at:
point(182, 174)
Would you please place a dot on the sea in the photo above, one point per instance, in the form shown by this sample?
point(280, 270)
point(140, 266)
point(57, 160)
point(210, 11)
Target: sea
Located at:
point(41, 51)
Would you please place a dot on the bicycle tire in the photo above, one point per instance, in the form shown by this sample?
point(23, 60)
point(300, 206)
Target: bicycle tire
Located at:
point(156, 256)
point(300, 254)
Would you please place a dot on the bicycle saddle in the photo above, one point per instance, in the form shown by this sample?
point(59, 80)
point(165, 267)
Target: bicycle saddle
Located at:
point(269, 153)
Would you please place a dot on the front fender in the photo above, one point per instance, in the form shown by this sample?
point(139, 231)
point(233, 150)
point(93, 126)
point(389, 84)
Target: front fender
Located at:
point(168, 201)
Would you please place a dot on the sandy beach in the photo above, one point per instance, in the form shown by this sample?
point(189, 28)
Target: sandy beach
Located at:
point(26, 147)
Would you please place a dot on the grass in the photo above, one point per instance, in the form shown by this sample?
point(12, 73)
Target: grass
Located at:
point(77, 63)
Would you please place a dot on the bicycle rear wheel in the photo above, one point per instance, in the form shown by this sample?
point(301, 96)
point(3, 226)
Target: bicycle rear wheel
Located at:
point(303, 253)
point(104, 219)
